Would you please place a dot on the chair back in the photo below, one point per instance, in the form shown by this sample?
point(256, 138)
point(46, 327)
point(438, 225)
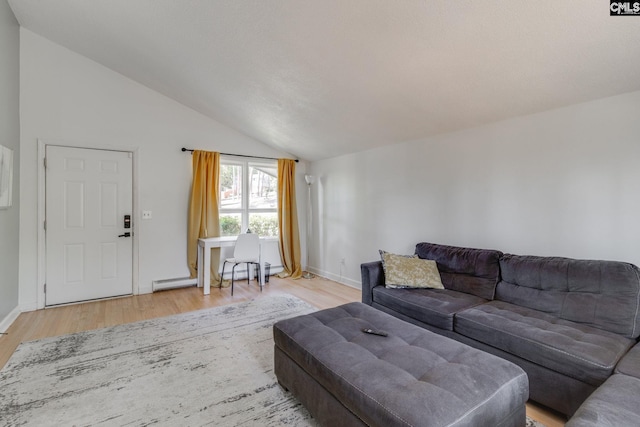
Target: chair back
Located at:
point(247, 248)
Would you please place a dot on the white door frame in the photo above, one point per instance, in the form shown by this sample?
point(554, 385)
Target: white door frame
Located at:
point(135, 218)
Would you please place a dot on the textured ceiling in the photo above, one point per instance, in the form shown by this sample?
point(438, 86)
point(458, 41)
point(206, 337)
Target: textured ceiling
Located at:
point(321, 78)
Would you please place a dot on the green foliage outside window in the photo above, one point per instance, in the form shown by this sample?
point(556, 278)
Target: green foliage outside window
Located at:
point(264, 225)
point(229, 225)
point(260, 224)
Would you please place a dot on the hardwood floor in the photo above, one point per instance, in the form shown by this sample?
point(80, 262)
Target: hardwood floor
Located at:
point(319, 292)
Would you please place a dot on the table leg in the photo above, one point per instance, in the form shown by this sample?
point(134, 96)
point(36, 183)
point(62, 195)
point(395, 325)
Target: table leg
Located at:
point(261, 275)
point(206, 274)
point(200, 269)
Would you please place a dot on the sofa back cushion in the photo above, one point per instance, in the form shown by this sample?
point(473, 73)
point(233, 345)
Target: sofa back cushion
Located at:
point(602, 294)
point(473, 271)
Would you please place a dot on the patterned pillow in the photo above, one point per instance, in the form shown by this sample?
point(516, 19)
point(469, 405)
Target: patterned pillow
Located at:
point(409, 271)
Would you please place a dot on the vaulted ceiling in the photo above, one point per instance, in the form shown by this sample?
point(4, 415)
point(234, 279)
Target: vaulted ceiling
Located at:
point(322, 78)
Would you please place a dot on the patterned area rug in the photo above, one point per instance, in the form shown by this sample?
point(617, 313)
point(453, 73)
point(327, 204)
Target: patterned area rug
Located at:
point(211, 367)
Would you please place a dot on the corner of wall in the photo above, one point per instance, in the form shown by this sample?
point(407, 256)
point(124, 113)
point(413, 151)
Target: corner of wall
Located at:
point(9, 319)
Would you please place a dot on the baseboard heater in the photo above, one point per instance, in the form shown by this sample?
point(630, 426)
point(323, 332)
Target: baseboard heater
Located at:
point(185, 282)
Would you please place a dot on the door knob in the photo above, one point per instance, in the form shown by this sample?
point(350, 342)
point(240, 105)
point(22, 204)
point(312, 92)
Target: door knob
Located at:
point(127, 234)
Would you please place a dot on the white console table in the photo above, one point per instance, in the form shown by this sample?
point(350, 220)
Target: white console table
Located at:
point(204, 262)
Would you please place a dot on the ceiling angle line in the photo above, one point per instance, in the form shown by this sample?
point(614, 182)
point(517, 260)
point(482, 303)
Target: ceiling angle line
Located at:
point(191, 150)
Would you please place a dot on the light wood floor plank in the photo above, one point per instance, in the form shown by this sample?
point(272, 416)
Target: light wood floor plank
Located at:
point(319, 292)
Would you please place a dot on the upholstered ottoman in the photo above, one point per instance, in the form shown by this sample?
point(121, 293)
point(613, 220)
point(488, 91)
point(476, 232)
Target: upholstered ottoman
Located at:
point(412, 377)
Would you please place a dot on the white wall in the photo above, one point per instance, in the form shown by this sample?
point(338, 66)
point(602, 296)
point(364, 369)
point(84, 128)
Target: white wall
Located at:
point(67, 98)
point(9, 137)
point(564, 182)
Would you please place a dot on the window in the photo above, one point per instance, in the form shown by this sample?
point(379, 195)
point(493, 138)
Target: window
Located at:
point(248, 197)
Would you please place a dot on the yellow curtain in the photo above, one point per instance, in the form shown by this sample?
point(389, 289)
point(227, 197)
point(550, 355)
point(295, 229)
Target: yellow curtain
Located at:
point(288, 219)
point(203, 210)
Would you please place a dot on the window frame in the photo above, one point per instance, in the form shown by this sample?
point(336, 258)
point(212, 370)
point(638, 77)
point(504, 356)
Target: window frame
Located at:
point(245, 210)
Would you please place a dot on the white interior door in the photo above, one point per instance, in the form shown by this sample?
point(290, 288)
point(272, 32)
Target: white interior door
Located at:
point(88, 251)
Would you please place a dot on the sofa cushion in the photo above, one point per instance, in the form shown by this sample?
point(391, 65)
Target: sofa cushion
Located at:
point(613, 404)
point(602, 294)
point(630, 363)
point(435, 307)
point(576, 350)
point(473, 271)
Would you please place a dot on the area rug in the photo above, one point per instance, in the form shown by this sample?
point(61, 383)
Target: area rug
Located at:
point(211, 367)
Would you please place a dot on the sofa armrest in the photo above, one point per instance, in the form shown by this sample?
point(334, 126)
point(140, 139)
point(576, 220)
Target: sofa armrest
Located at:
point(372, 276)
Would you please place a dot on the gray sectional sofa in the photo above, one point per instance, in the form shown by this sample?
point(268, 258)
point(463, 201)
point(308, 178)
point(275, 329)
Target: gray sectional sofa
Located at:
point(566, 322)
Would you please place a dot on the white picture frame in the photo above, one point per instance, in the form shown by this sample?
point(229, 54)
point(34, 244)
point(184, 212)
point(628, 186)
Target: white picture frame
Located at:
point(6, 177)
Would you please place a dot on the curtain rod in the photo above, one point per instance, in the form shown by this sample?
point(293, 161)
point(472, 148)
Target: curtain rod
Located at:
point(238, 155)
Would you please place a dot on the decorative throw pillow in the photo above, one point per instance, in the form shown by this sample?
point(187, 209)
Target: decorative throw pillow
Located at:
point(409, 271)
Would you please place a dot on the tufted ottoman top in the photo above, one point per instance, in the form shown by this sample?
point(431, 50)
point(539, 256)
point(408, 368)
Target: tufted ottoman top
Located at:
point(412, 377)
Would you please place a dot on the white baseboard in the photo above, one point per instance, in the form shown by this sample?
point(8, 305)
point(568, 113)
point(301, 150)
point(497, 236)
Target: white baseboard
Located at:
point(9, 319)
point(181, 282)
point(336, 278)
point(145, 290)
point(242, 274)
point(29, 307)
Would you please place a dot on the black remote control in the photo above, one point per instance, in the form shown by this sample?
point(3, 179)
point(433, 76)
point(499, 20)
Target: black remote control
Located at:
point(374, 332)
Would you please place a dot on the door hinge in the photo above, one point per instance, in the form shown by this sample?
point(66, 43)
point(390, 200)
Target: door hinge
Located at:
point(45, 162)
point(45, 288)
point(45, 225)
